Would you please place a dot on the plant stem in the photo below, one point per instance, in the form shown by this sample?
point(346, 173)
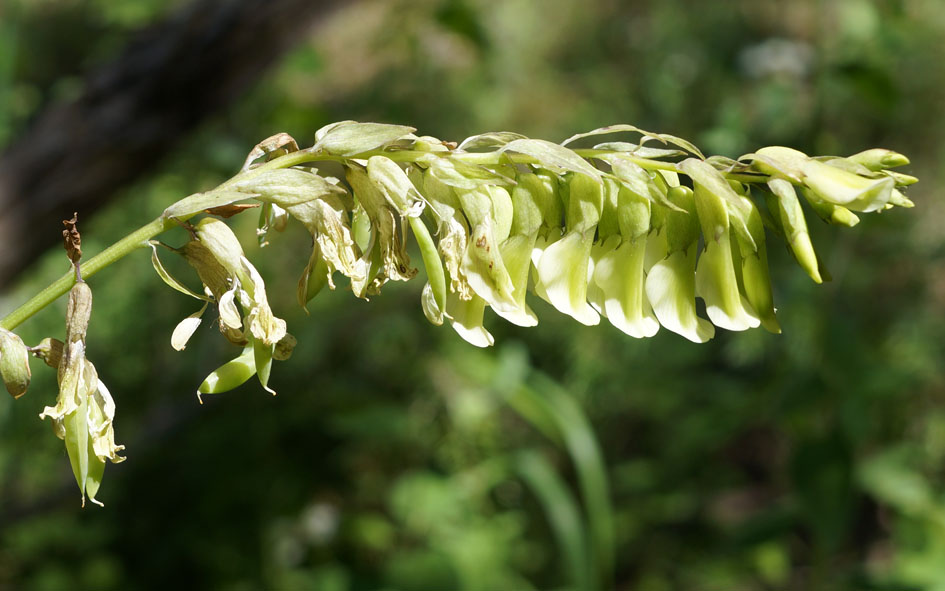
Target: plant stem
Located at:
point(126, 245)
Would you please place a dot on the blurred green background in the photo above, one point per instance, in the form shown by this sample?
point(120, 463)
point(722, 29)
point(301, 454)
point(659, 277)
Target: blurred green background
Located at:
point(396, 456)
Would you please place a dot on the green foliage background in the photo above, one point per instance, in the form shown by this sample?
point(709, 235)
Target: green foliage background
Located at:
point(398, 457)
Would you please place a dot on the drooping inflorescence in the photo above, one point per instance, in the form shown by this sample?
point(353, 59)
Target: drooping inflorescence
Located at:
point(633, 232)
point(627, 231)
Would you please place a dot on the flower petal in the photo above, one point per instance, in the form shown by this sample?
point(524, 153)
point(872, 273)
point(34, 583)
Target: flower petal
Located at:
point(562, 272)
point(185, 329)
point(516, 255)
point(717, 284)
point(466, 319)
point(670, 287)
point(229, 313)
point(619, 274)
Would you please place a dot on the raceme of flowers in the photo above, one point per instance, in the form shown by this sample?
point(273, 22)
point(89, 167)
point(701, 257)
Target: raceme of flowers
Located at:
point(631, 232)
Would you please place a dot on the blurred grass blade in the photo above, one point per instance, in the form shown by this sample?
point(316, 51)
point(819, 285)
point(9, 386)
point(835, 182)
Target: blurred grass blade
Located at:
point(588, 461)
point(555, 413)
point(563, 514)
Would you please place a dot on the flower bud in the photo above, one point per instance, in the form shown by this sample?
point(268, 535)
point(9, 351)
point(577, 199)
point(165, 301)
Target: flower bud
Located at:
point(902, 180)
point(14, 363)
point(840, 187)
point(783, 203)
point(879, 159)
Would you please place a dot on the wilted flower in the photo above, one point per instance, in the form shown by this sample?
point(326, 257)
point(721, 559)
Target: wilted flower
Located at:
point(84, 410)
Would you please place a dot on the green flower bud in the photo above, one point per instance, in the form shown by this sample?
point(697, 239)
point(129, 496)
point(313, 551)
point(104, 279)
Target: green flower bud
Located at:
point(840, 187)
point(902, 180)
point(609, 224)
point(633, 214)
point(14, 363)
point(783, 203)
point(879, 159)
point(755, 276)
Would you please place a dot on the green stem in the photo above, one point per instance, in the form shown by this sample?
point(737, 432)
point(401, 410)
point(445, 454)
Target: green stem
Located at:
point(126, 245)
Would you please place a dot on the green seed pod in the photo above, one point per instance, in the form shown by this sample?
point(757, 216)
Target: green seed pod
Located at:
point(231, 374)
point(14, 363)
point(436, 277)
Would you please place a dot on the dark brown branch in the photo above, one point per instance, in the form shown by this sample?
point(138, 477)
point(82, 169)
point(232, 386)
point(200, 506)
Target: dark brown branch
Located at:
point(170, 77)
